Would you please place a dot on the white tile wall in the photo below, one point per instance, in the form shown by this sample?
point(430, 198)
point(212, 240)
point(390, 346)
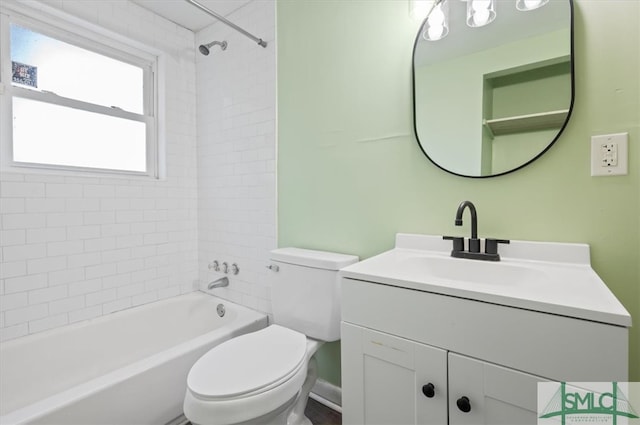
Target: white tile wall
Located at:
point(237, 153)
point(76, 247)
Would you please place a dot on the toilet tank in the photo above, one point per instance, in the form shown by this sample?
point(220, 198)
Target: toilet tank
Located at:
point(305, 290)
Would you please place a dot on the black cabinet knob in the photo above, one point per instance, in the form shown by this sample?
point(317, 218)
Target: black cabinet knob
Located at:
point(463, 404)
point(428, 390)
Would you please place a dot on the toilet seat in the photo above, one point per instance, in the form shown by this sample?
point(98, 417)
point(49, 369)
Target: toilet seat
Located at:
point(247, 376)
point(248, 364)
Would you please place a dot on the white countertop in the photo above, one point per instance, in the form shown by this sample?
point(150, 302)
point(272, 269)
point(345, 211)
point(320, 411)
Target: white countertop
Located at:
point(554, 278)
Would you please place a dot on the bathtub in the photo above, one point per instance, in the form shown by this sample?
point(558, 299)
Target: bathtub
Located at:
point(126, 368)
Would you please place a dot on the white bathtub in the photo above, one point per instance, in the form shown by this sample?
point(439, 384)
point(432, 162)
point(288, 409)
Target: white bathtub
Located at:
point(126, 368)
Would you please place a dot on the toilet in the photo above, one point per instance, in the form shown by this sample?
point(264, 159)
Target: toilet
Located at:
point(265, 377)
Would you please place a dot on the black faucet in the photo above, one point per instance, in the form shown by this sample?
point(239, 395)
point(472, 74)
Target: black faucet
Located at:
point(474, 242)
point(473, 252)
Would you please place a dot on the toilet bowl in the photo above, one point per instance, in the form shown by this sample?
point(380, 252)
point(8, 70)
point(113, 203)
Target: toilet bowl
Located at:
point(265, 377)
point(249, 377)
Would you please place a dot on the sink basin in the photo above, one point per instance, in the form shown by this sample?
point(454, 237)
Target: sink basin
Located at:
point(481, 272)
point(550, 277)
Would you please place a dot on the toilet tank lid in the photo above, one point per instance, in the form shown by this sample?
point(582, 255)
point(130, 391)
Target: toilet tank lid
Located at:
point(311, 258)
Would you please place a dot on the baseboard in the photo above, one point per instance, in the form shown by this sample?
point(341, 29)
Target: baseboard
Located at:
point(328, 394)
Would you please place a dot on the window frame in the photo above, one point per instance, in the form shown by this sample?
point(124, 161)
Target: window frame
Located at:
point(71, 30)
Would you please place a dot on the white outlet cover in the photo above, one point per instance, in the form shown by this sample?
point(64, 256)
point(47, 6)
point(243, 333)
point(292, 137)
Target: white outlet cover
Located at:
point(621, 140)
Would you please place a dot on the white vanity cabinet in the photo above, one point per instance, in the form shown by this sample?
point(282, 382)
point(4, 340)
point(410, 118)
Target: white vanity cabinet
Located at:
point(391, 380)
point(494, 394)
point(396, 341)
point(384, 377)
point(418, 349)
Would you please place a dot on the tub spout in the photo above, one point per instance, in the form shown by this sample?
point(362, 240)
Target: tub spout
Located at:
point(219, 283)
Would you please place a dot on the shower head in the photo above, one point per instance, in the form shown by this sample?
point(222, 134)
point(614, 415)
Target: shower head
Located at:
point(204, 48)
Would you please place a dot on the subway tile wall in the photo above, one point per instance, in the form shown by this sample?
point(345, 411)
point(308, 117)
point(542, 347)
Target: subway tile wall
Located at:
point(76, 247)
point(237, 154)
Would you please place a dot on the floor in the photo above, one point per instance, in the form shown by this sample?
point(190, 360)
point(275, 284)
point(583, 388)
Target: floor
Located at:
point(319, 414)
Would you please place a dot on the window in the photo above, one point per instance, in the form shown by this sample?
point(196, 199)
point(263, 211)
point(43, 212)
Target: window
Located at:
point(73, 102)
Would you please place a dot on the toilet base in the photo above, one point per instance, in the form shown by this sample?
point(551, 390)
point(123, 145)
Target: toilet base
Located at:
point(283, 415)
point(297, 417)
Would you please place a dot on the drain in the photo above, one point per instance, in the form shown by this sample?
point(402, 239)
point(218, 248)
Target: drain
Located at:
point(220, 310)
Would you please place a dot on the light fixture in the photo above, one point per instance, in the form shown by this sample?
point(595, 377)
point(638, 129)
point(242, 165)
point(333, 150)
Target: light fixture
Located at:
point(526, 5)
point(419, 9)
point(436, 25)
point(480, 12)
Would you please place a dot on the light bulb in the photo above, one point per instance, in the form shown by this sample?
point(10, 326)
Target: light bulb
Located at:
point(435, 32)
point(436, 25)
point(436, 17)
point(480, 12)
point(526, 5)
point(479, 5)
point(418, 9)
point(481, 17)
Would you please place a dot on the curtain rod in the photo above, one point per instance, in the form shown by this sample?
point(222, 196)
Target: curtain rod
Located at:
point(224, 20)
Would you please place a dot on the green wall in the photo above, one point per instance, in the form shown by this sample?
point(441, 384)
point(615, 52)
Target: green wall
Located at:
point(351, 175)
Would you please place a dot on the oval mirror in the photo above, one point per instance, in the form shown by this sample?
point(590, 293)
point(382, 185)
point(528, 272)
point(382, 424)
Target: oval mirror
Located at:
point(489, 100)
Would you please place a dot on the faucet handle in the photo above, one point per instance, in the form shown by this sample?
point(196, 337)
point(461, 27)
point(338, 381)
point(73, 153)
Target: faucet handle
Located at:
point(458, 242)
point(214, 265)
point(491, 245)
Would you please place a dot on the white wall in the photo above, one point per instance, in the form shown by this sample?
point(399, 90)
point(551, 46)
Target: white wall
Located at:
point(74, 247)
point(237, 152)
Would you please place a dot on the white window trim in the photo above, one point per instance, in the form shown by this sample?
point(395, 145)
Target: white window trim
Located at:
point(65, 27)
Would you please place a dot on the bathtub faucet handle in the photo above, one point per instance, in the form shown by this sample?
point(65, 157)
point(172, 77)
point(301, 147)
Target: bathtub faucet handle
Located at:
point(225, 267)
point(214, 266)
point(235, 269)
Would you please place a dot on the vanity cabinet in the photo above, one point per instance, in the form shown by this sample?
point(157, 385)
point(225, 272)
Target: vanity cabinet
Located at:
point(385, 375)
point(417, 357)
point(391, 380)
point(501, 396)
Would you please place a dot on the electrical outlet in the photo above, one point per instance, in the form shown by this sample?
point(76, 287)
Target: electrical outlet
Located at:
point(609, 154)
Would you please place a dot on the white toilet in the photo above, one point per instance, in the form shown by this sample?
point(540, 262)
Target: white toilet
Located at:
point(265, 377)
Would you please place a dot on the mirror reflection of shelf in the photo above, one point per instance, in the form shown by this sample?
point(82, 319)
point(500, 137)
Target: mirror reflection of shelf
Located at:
point(525, 123)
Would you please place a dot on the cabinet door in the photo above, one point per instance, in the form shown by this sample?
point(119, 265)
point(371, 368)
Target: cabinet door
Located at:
point(383, 377)
point(494, 394)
